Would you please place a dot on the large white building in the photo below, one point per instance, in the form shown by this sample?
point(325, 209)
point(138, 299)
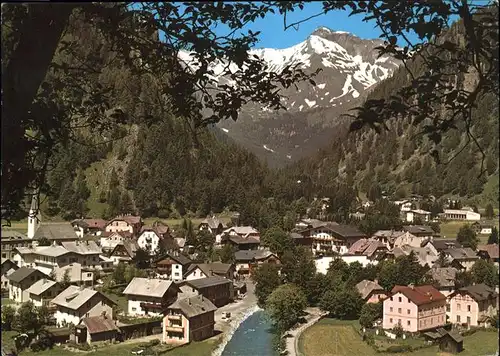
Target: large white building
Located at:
point(453, 214)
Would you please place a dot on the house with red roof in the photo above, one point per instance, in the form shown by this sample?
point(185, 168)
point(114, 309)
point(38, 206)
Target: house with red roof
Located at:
point(415, 308)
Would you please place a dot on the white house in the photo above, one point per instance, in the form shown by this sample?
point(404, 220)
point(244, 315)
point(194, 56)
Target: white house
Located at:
point(413, 215)
point(453, 214)
point(486, 230)
point(75, 303)
point(205, 270)
point(43, 291)
point(404, 205)
point(93, 227)
point(150, 237)
point(46, 258)
point(21, 280)
point(172, 266)
point(109, 240)
point(323, 263)
point(76, 274)
point(149, 296)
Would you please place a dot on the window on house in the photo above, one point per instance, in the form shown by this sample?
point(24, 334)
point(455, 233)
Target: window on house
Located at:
point(399, 310)
point(458, 318)
point(399, 321)
point(391, 309)
point(408, 311)
point(447, 307)
point(408, 323)
point(392, 298)
point(400, 299)
point(468, 308)
point(458, 307)
point(390, 320)
point(468, 320)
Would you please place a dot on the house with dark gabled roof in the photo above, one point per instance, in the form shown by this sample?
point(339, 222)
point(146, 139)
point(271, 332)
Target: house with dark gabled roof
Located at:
point(414, 308)
point(21, 280)
point(172, 265)
point(473, 305)
point(241, 243)
point(189, 319)
point(124, 251)
point(419, 230)
point(247, 261)
point(8, 267)
point(332, 238)
point(438, 245)
point(212, 225)
point(217, 289)
point(461, 258)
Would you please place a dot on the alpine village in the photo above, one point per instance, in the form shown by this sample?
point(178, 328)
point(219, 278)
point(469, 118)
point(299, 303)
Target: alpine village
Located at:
point(176, 190)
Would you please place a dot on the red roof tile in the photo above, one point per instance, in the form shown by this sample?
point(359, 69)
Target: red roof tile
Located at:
point(419, 294)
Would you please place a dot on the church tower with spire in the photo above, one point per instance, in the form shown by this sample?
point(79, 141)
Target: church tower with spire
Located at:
point(33, 217)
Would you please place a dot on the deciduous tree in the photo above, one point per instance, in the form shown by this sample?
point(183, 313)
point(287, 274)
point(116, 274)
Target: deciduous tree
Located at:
point(267, 279)
point(285, 305)
point(467, 237)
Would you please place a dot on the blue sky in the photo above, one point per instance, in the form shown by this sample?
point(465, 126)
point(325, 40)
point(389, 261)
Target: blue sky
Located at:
point(273, 36)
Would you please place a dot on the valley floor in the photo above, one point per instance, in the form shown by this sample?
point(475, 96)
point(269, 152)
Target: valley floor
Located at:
point(330, 337)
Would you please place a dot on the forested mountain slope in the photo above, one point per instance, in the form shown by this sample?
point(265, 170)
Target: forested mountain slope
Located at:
point(147, 160)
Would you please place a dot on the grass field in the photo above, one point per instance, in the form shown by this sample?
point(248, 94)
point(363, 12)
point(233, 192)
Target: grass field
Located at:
point(22, 225)
point(450, 229)
point(203, 348)
point(337, 338)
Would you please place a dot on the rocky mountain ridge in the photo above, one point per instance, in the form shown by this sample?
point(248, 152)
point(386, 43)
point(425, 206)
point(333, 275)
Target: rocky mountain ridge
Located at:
point(350, 68)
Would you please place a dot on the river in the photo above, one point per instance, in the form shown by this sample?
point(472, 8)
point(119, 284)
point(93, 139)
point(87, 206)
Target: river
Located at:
point(252, 338)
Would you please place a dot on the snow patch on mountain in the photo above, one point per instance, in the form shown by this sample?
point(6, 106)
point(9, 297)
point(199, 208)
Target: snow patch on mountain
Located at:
point(321, 86)
point(225, 130)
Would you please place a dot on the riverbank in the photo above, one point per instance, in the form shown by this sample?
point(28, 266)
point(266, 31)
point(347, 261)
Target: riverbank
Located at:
point(313, 315)
point(240, 311)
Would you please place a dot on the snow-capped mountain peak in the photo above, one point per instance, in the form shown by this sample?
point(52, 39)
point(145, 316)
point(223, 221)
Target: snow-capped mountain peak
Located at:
point(350, 67)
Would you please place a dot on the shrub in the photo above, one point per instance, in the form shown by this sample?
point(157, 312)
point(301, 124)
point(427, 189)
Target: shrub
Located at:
point(398, 348)
point(42, 344)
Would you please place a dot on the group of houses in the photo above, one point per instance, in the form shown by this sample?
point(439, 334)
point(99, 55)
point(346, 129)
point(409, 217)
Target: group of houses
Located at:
point(186, 294)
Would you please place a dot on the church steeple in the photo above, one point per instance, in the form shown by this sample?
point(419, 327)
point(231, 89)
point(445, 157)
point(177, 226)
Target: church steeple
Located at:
point(33, 217)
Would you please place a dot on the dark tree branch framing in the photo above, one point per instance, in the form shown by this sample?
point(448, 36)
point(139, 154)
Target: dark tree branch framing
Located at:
point(46, 108)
